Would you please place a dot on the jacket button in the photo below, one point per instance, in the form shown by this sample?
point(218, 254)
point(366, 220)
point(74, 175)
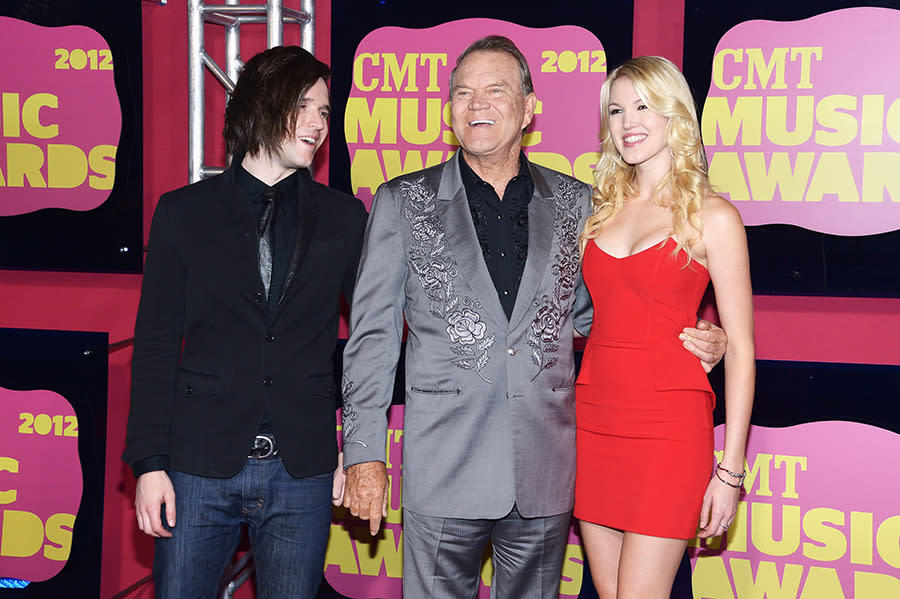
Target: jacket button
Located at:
point(267, 381)
point(188, 390)
point(258, 297)
point(511, 351)
point(270, 337)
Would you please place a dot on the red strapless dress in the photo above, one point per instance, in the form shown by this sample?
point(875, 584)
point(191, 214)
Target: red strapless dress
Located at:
point(643, 403)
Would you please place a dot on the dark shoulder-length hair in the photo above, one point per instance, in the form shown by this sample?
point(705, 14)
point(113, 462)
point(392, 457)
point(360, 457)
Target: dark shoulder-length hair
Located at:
point(262, 110)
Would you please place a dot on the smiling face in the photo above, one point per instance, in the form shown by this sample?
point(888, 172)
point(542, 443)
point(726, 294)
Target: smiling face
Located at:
point(310, 130)
point(487, 107)
point(638, 133)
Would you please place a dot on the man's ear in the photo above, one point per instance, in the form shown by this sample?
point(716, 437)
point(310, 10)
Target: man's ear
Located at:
point(530, 105)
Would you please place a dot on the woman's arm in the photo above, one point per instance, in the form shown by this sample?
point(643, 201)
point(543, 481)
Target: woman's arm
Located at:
point(725, 248)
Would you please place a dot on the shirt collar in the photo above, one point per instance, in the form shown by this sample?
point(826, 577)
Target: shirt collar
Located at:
point(253, 187)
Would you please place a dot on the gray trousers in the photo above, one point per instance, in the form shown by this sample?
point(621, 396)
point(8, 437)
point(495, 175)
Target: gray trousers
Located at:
point(442, 556)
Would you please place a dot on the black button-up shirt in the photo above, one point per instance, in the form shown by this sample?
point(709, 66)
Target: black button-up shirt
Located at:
point(285, 236)
point(285, 224)
point(501, 226)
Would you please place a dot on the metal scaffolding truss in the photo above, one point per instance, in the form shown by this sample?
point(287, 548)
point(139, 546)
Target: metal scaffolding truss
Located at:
point(231, 15)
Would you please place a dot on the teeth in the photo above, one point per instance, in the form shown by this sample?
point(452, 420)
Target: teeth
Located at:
point(633, 138)
point(481, 122)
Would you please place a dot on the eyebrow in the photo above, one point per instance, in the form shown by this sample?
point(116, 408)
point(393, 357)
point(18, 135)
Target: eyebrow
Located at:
point(309, 100)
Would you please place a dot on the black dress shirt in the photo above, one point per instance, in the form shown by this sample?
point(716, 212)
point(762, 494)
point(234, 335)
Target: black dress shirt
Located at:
point(501, 227)
point(285, 223)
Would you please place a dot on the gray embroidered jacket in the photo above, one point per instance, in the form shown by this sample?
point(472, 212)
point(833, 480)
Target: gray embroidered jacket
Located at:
point(490, 409)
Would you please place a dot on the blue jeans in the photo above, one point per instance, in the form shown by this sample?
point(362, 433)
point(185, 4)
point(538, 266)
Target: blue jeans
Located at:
point(288, 520)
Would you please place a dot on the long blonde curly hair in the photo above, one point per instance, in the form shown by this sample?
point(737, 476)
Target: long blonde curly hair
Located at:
point(664, 90)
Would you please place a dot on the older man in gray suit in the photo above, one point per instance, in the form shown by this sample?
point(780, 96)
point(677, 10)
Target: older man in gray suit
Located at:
point(480, 255)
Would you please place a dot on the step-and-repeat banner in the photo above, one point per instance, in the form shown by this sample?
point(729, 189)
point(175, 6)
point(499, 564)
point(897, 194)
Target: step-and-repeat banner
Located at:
point(802, 127)
point(53, 388)
point(801, 120)
point(70, 136)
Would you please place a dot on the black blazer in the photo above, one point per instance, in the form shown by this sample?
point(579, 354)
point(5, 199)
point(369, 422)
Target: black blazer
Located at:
point(208, 358)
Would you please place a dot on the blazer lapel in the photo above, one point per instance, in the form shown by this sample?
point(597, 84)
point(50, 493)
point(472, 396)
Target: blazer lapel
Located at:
point(541, 218)
point(463, 241)
point(307, 213)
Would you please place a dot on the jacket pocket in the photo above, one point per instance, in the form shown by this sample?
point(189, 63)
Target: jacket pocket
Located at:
point(434, 391)
point(189, 383)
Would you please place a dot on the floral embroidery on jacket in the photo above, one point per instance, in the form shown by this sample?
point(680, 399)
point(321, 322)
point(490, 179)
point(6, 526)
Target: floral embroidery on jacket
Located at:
point(553, 309)
point(349, 417)
point(428, 258)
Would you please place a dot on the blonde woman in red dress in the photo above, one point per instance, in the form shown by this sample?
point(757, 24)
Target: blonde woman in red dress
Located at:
point(646, 477)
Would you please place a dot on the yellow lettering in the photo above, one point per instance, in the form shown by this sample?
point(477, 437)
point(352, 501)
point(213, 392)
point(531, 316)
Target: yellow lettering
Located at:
point(887, 539)
point(340, 550)
point(727, 176)
point(828, 115)
point(409, 121)
point(757, 64)
point(872, 128)
point(433, 60)
point(8, 465)
point(387, 552)
point(31, 115)
point(879, 175)
point(718, 118)
point(822, 583)
point(790, 473)
point(552, 160)
point(833, 176)
point(833, 543)
point(762, 529)
point(59, 533)
point(365, 171)
point(395, 500)
point(412, 162)
point(872, 585)
point(861, 543)
point(398, 73)
point(66, 166)
point(762, 465)
point(892, 120)
point(776, 120)
point(710, 579)
point(381, 119)
point(22, 535)
point(583, 168)
point(24, 161)
point(767, 583)
point(359, 71)
point(806, 55)
point(791, 181)
point(11, 122)
point(572, 571)
point(102, 160)
point(718, 69)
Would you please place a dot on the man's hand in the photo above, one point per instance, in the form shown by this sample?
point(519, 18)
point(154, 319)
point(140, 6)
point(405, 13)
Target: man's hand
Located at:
point(707, 341)
point(366, 493)
point(337, 487)
point(153, 490)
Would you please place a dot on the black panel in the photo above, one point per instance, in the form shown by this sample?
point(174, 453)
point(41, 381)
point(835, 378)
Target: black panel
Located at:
point(95, 240)
point(75, 366)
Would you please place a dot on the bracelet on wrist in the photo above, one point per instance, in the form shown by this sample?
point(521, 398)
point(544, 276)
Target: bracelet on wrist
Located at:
point(733, 485)
point(738, 475)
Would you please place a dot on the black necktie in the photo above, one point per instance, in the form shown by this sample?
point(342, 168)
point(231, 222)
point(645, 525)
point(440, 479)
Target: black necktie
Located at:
point(266, 232)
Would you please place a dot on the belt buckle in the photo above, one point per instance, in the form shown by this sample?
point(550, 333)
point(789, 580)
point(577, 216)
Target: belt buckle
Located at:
point(263, 447)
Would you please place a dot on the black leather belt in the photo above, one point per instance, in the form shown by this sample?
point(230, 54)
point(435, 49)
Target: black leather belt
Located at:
point(263, 447)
